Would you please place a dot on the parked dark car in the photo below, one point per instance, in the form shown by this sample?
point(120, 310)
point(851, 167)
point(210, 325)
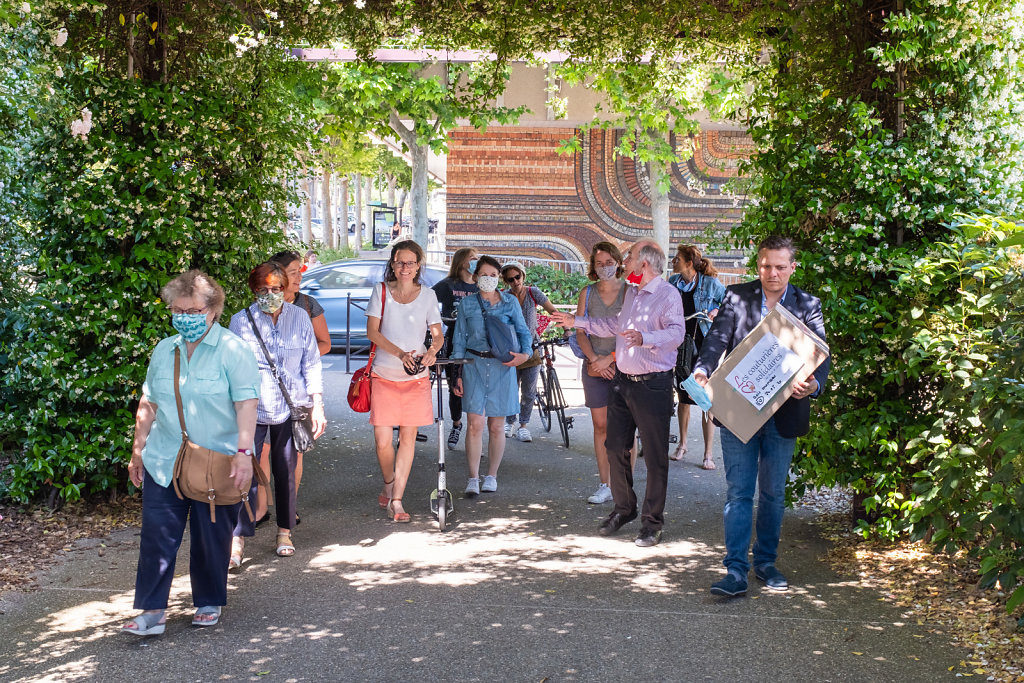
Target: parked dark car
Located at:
point(333, 283)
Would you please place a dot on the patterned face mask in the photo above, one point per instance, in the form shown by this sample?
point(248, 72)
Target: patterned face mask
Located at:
point(191, 326)
point(270, 302)
point(487, 283)
point(606, 272)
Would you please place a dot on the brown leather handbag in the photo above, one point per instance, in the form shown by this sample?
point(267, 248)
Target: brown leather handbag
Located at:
point(202, 474)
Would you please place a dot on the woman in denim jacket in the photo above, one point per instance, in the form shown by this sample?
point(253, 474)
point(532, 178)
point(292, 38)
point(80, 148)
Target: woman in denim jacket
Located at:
point(488, 386)
point(696, 279)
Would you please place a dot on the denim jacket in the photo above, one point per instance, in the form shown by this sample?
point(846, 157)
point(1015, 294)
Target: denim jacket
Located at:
point(708, 295)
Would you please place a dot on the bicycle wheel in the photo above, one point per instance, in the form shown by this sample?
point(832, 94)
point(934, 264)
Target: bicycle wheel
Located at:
point(557, 402)
point(543, 402)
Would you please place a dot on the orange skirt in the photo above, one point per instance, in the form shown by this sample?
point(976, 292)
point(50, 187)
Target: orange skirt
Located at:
point(400, 404)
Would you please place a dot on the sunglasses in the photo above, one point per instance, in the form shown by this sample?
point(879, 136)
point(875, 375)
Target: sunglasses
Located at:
point(512, 278)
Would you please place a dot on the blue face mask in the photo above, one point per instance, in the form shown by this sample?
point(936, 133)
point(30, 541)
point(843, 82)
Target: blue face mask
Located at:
point(191, 326)
point(472, 265)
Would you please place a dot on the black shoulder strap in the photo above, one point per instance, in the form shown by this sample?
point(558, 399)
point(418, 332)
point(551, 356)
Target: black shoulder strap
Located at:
point(484, 313)
point(270, 361)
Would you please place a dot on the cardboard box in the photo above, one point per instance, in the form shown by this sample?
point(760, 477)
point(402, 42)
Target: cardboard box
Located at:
point(757, 377)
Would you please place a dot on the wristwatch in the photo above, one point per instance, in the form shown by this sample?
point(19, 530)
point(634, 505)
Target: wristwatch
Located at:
point(244, 451)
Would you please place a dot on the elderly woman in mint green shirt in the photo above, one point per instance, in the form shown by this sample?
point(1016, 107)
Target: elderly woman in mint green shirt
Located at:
point(219, 384)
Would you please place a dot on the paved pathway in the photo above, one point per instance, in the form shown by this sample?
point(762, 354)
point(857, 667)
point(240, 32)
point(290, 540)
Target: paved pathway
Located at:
point(520, 589)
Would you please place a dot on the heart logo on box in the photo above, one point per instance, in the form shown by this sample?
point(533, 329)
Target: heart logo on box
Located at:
point(746, 387)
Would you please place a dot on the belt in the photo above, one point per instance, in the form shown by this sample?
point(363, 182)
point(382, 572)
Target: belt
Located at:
point(644, 378)
point(482, 354)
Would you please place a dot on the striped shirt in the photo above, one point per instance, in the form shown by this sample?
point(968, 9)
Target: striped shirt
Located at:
point(656, 311)
point(292, 345)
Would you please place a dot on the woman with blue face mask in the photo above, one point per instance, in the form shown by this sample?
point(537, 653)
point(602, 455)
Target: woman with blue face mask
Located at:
point(219, 387)
point(288, 335)
point(488, 387)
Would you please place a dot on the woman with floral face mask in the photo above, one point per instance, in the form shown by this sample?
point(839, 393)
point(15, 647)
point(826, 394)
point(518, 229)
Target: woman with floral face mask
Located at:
point(488, 387)
point(219, 390)
point(603, 299)
point(288, 335)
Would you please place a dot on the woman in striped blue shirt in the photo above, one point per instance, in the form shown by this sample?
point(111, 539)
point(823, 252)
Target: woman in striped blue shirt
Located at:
point(288, 335)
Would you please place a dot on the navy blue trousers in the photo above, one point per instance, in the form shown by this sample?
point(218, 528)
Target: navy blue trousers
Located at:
point(283, 458)
point(163, 526)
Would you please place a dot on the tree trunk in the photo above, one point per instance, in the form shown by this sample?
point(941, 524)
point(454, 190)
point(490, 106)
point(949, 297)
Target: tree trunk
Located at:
point(369, 209)
point(357, 180)
point(659, 202)
point(391, 189)
point(328, 210)
point(418, 153)
point(307, 210)
point(344, 211)
point(402, 196)
point(419, 194)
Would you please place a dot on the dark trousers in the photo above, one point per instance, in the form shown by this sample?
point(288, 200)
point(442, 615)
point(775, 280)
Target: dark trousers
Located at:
point(283, 458)
point(645, 406)
point(163, 525)
point(452, 372)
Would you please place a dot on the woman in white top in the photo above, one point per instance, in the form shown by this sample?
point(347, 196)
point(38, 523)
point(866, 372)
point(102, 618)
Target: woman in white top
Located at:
point(400, 394)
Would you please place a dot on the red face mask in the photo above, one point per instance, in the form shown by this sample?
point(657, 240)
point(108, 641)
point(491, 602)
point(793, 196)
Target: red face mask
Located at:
point(635, 278)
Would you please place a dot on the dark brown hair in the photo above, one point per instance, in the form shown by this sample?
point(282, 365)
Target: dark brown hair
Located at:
point(611, 250)
point(406, 245)
point(286, 258)
point(459, 259)
point(691, 254)
point(488, 261)
point(773, 242)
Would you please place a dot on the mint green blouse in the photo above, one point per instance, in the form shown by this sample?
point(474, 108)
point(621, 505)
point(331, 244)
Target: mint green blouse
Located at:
point(222, 372)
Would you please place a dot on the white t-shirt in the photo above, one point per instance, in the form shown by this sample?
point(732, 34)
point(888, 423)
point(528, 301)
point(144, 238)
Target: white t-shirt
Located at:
point(405, 326)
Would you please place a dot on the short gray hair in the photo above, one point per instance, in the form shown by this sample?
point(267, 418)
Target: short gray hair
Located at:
point(653, 254)
point(195, 283)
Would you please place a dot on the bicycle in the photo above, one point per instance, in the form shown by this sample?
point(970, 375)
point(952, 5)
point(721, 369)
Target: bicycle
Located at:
point(549, 394)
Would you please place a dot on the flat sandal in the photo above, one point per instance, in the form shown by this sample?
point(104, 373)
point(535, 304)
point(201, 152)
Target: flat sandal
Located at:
point(285, 548)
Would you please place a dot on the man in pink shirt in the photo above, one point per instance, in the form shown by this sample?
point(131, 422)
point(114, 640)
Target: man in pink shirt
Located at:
point(647, 331)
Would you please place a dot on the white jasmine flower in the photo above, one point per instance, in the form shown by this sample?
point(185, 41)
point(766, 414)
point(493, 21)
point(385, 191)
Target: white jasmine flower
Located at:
point(59, 72)
point(25, 8)
point(61, 37)
point(360, 4)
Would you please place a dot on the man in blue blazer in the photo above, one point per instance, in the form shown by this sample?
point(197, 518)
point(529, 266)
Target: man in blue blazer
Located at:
point(764, 460)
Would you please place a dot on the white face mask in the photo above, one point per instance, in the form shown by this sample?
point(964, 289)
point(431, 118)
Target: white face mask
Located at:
point(606, 272)
point(487, 283)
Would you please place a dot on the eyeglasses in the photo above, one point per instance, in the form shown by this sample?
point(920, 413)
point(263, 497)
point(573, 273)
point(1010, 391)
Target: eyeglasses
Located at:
point(405, 265)
point(190, 311)
point(512, 278)
point(269, 290)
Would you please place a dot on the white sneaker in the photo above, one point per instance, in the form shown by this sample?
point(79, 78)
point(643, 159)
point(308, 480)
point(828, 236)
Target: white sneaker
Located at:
point(524, 434)
point(490, 484)
point(508, 430)
point(472, 487)
point(603, 494)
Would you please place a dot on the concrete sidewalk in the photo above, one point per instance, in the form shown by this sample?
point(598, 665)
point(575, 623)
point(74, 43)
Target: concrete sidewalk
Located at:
point(521, 588)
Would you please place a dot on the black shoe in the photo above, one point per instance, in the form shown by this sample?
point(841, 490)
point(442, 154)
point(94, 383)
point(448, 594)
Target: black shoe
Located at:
point(648, 537)
point(615, 522)
point(264, 518)
point(774, 580)
point(730, 586)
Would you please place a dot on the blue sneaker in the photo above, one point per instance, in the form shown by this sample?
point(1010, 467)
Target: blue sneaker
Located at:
point(730, 586)
point(774, 580)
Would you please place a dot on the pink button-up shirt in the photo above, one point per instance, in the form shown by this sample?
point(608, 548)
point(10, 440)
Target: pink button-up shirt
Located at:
point(656, 311)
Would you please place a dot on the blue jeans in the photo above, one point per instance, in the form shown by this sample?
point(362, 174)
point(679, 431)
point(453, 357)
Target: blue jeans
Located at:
point(528, 391)
point(764, 461)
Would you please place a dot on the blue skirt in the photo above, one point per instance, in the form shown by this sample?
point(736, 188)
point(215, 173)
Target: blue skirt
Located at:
point(489, 388)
